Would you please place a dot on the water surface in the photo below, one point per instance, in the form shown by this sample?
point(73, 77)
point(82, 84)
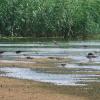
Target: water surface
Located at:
point(77, 51)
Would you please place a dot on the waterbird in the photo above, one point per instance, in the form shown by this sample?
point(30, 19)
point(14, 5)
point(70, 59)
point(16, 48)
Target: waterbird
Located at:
point(51, 57)
point(17, 52)
point(85, 46)
point(1, 52)
point(29, 57)
point(91, 56)
point(63, 64)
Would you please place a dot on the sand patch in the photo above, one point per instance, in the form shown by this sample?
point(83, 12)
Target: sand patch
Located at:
point(12, 89)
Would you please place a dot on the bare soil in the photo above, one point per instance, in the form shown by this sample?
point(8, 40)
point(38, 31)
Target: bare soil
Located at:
point(14, 89)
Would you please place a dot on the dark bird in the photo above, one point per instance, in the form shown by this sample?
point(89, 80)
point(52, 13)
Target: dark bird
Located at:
point(63, 64)
point(29, 57)
point(17, 52)
point(85, 46)
point(91, 56)
point(1, 52)
point(51, 57)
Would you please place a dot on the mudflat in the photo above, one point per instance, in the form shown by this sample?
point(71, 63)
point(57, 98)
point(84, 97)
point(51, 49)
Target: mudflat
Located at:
point(33, 63)
point(14, 89)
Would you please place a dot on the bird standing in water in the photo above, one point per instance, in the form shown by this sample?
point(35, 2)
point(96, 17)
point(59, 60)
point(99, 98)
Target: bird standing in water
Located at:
point(63, 64)
point(91, 56)
point(1, 52)
point(17, 52)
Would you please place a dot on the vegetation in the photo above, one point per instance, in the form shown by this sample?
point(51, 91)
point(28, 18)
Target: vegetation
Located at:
point(49, 18)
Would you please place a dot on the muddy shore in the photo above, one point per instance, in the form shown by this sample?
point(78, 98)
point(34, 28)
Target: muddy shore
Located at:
point(15, 89)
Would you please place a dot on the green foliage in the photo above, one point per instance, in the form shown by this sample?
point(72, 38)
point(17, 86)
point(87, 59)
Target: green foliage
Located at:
point(49, 18)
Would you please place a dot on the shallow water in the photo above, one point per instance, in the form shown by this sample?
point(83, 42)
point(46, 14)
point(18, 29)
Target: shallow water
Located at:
point(58, 79)
point(23, 73)
point(50, 49)
point(77, 51)
point(82, 67)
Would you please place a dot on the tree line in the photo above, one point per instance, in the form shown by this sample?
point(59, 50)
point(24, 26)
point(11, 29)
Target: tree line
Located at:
point(49, 18)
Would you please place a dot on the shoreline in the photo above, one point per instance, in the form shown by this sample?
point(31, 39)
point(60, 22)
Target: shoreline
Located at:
point(12, 89)
point(34, 90)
